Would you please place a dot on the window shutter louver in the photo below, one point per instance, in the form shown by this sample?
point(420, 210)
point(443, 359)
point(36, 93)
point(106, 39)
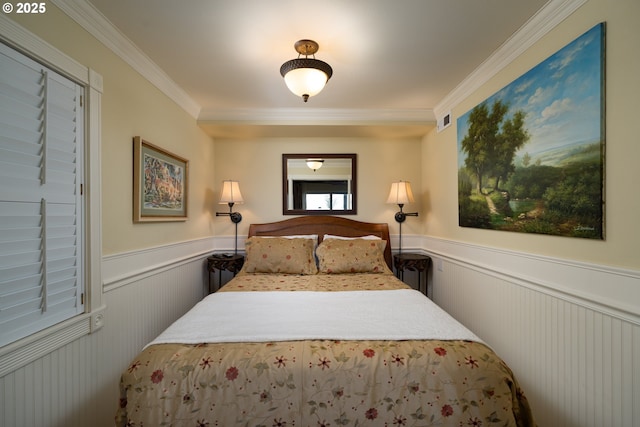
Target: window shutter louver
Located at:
point(41, 140)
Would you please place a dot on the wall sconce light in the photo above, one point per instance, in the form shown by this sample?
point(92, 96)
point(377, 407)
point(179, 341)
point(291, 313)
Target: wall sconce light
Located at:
point(314, 164)
point(231, 195)
point(306, 76)
point(401, 194)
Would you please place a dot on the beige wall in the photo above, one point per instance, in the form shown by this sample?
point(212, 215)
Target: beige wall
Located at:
point(257, 164)
point(622, 244)
point(132, 106)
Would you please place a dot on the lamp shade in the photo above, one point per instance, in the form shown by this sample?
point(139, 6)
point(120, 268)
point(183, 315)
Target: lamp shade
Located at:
point(400, 193)
point(230, 193)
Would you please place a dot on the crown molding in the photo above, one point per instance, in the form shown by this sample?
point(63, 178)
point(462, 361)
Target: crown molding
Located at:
point(89, 18)
point(319, 116)
point(92, 20)
point(547, 18)
point(319, 122)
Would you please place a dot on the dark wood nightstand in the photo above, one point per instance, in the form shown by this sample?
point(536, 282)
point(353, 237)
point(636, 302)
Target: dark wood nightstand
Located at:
point(413, 262)
point(223, 262)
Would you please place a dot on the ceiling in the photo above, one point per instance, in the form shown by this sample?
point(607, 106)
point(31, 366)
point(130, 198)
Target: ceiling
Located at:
point(393, 61)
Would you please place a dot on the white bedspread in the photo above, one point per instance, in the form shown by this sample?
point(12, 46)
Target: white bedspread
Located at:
point(289, 316)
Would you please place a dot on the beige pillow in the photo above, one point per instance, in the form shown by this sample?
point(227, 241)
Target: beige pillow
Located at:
point(279, 255)
point(352, 256)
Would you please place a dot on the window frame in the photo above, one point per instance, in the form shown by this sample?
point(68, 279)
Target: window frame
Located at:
point(28, 349)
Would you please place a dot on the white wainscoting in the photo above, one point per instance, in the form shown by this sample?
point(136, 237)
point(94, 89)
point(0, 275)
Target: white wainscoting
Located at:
point(77, 385)
point(576, 356)
point(575, 349)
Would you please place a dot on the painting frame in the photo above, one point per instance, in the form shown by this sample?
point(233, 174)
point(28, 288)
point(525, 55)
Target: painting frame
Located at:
point(163, 198)
point(531, 157)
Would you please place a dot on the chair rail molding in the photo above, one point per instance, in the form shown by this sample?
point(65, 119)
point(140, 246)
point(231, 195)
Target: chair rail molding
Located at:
point(609, 290)
point(127, 267)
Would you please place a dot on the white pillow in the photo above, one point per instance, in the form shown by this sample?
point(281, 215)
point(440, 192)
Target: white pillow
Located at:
point(295, 236)
point(302, 236)
point(313, 237)
point(331, 236)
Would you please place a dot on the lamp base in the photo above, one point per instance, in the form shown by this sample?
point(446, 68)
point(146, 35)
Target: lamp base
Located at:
point(400, 216)
point(235, 217)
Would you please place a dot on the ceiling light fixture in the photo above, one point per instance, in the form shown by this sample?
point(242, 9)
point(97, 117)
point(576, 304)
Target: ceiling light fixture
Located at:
point(306, 76)
point(314, 164)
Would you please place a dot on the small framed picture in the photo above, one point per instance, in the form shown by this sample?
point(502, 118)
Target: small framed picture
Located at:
point(160, 184)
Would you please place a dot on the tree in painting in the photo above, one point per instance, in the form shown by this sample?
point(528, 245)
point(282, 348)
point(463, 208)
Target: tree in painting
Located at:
point(530, 157)
point(491, 144)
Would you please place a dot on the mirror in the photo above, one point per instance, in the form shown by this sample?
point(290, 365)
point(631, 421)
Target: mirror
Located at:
point(319, 184)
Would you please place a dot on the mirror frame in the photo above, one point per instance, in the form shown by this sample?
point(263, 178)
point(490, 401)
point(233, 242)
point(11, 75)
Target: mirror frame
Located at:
point(354, 186)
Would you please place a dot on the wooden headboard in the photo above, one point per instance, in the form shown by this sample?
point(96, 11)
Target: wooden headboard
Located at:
point(322, 225)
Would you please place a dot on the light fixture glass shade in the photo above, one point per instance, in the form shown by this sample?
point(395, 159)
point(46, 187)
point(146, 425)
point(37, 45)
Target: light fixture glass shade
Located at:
point(400, 193)
point(230, 193)
point(314, 164)
point(306, 81)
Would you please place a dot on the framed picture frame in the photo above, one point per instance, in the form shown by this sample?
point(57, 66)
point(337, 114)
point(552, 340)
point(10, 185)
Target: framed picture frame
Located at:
point(160, 184)
point(531, 157)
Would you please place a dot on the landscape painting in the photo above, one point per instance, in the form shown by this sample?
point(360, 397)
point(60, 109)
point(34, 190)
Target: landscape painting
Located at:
point(531, 157)
point(159, 184)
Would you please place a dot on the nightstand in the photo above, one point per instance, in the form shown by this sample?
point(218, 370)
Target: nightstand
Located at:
point(413, 262)
point(223, 262)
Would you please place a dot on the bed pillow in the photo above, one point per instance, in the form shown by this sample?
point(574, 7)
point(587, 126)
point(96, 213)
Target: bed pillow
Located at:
point(352, 256)
point(313, 237)
point(293, 236)
point(280, 255)
point(331, 236)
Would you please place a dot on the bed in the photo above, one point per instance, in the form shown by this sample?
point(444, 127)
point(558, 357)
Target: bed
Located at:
point(317, 331)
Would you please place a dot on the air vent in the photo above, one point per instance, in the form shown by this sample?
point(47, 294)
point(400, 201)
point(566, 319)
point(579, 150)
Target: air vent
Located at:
point(444, 122)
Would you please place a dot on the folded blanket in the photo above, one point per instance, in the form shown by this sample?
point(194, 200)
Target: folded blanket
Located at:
point(404, 314)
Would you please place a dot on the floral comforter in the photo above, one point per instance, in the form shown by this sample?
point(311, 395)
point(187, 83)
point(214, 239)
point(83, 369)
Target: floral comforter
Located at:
point(320, 382)
point(245, 282)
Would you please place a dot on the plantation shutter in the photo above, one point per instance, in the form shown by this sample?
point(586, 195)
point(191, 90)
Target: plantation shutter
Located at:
point(41, 141)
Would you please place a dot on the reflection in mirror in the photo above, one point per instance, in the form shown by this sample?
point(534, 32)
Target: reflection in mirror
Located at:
point(319, 184)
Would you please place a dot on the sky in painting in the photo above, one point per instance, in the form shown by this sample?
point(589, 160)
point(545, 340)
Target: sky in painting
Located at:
point(561, 96)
